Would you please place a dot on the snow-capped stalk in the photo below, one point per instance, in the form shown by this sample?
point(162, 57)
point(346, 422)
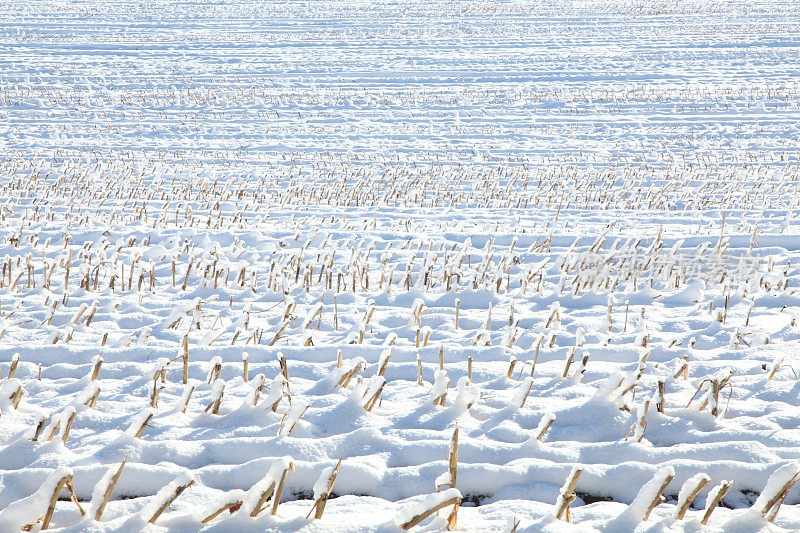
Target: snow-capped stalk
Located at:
point(350, 369)
point(776, 364)
point(230, 501)
point(140, 422)
point(649, 496)
point(165, 497)
point(555, 314)
point(689, 491)
point(103, 490)
point(567, 495)
point(37, 431)
point(660, 396)
point(25, 513)
point(570, 359)
point(715, 496)
point(512, 361)
point(713, 385)
point(777, 489)
point(440, 386)
point(154, 393)
point(639, 426)
point(292, 417)
point(449, 477)
point(512, 523)
point(183, 403)
point(216, 369)
point(335, 313)
point(18, 391)
point(67, 419)
point(90, 395)
point(284, 367)
point(683, 369)
point(408, 518)
point(522, 393)
point(185, 358)
point(61, 480)
point(276, 500)
point(544, 425)
point(14, 364)
point(323, 488)
point(270, 485)
point(373, 393)
point(383, 362)
point(218, 391)
point(536, 354)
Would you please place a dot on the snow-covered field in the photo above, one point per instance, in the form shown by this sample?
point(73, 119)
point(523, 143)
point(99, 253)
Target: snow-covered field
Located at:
point(242, 240)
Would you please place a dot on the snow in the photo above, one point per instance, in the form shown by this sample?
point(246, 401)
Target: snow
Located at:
point(382, 181)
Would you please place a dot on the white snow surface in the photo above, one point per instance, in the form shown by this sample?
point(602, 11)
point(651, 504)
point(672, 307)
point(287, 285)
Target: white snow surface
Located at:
point(399, 178)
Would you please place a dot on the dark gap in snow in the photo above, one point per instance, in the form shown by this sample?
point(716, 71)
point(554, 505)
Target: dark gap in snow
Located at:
point(309, 495)
point(592, 498)
point(725, 505)
point(66, 498)
point(745, 498)
point(474, 500)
